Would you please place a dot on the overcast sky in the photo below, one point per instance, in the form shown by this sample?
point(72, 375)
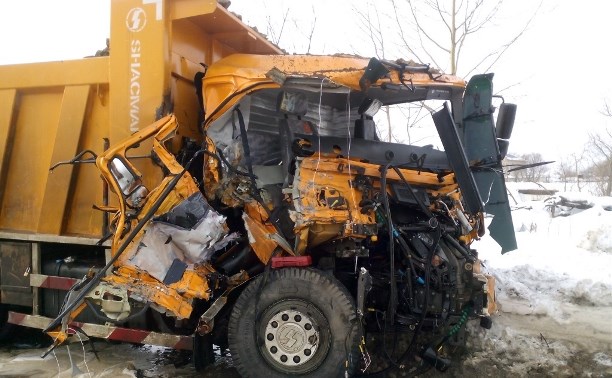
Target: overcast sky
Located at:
point(558, 70)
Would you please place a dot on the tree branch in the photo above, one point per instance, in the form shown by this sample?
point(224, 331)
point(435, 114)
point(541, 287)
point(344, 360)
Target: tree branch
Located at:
point(402, 36)
point(421, 29)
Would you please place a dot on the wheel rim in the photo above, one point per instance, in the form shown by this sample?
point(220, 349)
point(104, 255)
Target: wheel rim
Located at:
point(295, 336)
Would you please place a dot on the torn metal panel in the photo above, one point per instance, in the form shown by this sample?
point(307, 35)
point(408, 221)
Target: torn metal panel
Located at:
point(263, 236)
point(458, 160)
point(237, 75)
point(482, 150)
point(191, 233)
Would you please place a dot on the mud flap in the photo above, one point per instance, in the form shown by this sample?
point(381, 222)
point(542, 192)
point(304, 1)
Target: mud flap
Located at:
point(483, 155)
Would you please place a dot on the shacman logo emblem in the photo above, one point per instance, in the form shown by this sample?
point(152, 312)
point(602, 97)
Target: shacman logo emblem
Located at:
point(136, 19)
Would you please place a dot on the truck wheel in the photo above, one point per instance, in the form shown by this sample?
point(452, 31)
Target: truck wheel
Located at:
point(299, 321)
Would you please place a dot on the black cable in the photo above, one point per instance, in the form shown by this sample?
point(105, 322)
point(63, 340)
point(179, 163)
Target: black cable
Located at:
point(409, 257)
point(58, 265)
point(231, 167)
point(468, 256)
point(427, 291)
point(91, 341)
point(197, 82)
point(406, 249)
point(245, 146)
point(392, 307)
point(434, 224)
point(431, 251)
point(254, 191)
point(417, 331)
point(393, 288)
point(424, 208)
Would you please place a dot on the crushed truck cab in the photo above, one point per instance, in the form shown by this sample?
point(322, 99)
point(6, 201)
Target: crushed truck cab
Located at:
point(290, 233)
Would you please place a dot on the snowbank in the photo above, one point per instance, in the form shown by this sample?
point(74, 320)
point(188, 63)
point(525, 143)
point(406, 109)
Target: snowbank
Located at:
point(554, 293)
point(559, 260)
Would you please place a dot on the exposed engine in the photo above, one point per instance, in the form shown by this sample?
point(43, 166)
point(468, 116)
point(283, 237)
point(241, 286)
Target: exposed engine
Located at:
point(415, 282)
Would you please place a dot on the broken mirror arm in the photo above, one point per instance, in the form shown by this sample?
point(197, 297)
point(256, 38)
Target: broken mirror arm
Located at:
point(78, 159)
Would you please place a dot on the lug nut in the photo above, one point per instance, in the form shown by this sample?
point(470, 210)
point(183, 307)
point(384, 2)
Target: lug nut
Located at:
point(273, 350)
point(283, 358)
point(270, 337)
point(285, 317)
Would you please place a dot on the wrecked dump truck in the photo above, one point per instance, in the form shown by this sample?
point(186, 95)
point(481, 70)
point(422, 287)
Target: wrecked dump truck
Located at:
point(260, 212)
point(290, 234)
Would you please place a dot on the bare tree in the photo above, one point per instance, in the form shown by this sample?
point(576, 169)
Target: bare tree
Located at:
point(594, 164)
point(312, 30)
point(443, 30)
point(281, 21)
point(370, 25)
point(607, 110)
point(533, 174)
point(273, 32)
point(570, 170)
point(411, 115)
point(440, 33)
point(600, 146)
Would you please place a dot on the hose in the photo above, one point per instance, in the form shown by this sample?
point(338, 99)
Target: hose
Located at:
point(393, 288)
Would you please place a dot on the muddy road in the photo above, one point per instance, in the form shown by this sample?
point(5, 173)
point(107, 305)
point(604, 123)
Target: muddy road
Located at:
point(115, 360)
point(516, 346)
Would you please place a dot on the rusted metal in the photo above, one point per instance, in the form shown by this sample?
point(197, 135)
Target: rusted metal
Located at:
point(52, 282)
point(15, 265)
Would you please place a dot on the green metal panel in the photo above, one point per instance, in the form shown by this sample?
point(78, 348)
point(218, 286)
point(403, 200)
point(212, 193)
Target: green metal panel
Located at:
point(483, 155)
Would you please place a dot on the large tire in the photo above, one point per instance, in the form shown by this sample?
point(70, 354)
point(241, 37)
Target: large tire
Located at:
point(296, 322)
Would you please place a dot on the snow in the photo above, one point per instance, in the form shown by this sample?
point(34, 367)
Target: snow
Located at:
point(554, 292)
point(603, 359)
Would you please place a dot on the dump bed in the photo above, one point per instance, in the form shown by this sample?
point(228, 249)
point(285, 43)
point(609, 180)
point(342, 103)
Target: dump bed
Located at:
point(51, 111)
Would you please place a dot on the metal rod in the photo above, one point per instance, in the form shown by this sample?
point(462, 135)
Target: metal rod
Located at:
point(105, 195)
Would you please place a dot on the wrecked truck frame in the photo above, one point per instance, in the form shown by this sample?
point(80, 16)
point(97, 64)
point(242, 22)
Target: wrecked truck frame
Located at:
point(292, 235)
